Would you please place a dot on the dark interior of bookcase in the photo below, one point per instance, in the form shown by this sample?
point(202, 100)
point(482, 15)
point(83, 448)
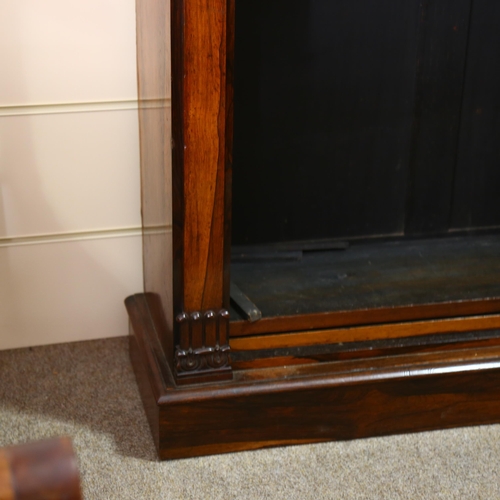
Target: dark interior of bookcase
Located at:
point(366, 161)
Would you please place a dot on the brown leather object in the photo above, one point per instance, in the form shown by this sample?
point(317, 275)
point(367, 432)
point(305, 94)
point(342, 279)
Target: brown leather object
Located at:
point(42, 470)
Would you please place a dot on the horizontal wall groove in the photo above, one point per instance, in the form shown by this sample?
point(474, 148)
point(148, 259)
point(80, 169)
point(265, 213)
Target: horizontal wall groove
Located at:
point(73, 236)
point(80, 107)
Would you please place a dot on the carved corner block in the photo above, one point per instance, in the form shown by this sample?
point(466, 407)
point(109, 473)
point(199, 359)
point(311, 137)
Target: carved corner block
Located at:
point(203, 352)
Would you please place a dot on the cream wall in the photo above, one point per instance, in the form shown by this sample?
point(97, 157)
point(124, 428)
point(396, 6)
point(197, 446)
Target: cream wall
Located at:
point(70, 245)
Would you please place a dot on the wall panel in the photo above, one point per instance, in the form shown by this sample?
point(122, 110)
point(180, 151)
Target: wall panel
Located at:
point(69, 172)
point(67, 291)
point(67, 51)
point(70, 242)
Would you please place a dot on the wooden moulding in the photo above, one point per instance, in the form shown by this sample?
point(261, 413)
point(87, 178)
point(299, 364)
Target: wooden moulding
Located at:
point(365, 333)
point(374, 316)
point(433, 389)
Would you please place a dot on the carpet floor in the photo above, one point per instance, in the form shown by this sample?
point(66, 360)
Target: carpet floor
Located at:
point(87, 390)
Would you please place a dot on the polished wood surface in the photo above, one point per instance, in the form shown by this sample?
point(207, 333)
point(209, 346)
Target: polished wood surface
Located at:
point(200, 239)
point(6, 485)
point(377, 316)
point(323, 353)
point(199, 114)
point(203, 122)
point(363, 333)
point(40, 470)
point(435, 388)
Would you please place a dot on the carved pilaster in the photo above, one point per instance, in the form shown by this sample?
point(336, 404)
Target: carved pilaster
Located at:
point(203, 350)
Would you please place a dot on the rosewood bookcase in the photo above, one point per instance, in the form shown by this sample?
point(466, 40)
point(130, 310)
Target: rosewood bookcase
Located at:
point(370, 309)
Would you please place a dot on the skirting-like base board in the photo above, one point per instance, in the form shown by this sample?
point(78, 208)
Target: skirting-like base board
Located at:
point(341, 400)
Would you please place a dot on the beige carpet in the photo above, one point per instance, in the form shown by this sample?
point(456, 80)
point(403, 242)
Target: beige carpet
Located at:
point(87, 391)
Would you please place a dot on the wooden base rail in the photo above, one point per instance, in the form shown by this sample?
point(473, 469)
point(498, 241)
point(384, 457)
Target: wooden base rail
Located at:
point(434, 388)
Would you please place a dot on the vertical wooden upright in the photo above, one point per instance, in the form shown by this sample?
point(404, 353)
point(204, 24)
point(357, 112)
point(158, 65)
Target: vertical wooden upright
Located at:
point(200, 196)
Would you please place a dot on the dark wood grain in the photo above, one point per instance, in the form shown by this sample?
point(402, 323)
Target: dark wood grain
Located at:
point(43, 469)
point(200, 109)
point(150, 365)
point(373, 317)
point(267, 358)
point(477, 181)
point(371, 332)
point(203, 123)
point(6, 485)
point(229, 141)
point(323, 113)
point(441, 61)
point(412, 398)
point(346, 399)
